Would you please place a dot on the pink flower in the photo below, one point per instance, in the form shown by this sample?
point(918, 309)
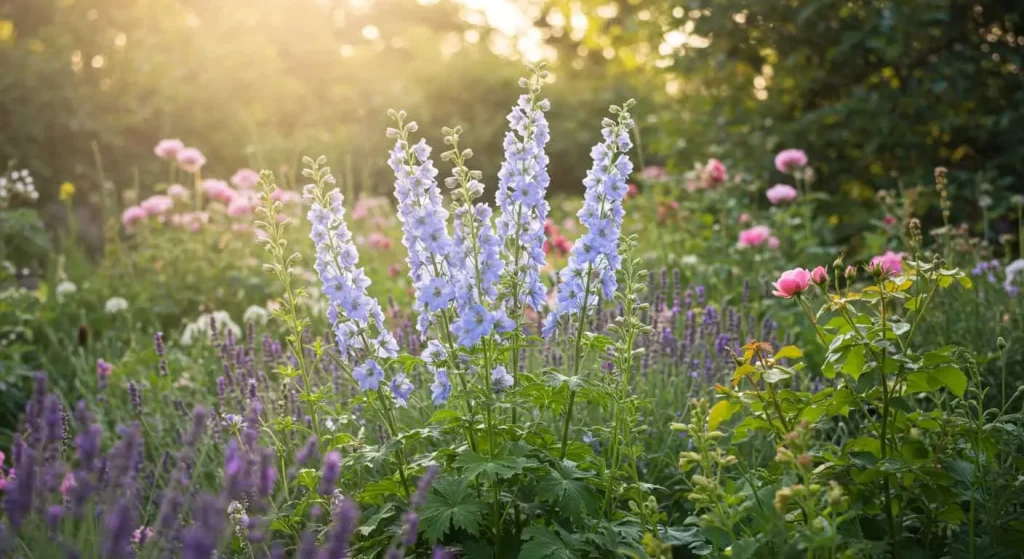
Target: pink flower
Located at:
point(773, 242)
point(789, 160)
point(178, 192)
point(890, 263)
point(653, 173)
point(394, 271)
point(289, 197)
point(191, 160)
point(131, 216)
point(378, 241)
point(889, 221)
point(780, 193)
point(755, 236)
point(239, 206)
point(218, 190)
point(569, 224)
point(632, 191)
point(193, 221)
point(67, 484)
point(850, 272)
point(714, 173)
point(141, 535)
point(245, 179)
point(819, 275)
point(103, 370)
point(169, 148)
point(792, 282)
point(744, 218)
point(157, 204)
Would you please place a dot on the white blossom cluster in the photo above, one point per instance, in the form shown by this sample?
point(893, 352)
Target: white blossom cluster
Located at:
point(18, 184)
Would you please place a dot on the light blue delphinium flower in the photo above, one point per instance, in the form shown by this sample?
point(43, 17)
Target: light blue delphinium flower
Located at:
point(424, 222)
point(401, 388)
point(368, 375)
point(478, 248)
point(594, 258)
point(356, 318)
point(442, 388)
point(500, 379)
point(522, 187)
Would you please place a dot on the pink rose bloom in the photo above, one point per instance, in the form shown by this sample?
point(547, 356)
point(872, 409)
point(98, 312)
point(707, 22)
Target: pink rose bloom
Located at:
point(178, 192)
point(245, 179)
point(378, 241)
point(131, 216)
point(819, 275)
point(789, 160)
point(781, 193)
point(773, 242)
point(792, 282)
point(239, 206)
point(714, 173)
point(191, 160)
point(157, 204)
point(889, 221)
point(744, 218)
point(890, 263)
point(169, 148)
point(755, 236)
point(218, 190)
point(850, 272)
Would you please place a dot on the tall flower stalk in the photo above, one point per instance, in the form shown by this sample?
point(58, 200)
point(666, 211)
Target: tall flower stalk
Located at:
point(594, 259)
point(523, 210)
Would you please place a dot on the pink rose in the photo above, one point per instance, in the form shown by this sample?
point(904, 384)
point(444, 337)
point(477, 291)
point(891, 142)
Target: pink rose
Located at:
point(653, 173)
point(245, 179)
point(131, 216)
point(744, 218)
point(819, 275)
point(755, 236)
point(169, 148)
point(191, 160)
point(378, 241)
point(714, 173)
point(889, 221)
point(789, 160)
point(781, 193)
point(773, 242)
point(890, 263)
point(157, 204)
point(791, 283)
point(632, 191)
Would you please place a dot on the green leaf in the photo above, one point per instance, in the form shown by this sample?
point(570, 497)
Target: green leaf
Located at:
point(788, 352)
point(744, 549)
point(722, 411)
point(370, 524)
point(953, 378)
point(565, 487)
point(542, 543)
point(776, 374)
point(503, 466)
point(451, 503)
point(853, 365)
point(865, 444)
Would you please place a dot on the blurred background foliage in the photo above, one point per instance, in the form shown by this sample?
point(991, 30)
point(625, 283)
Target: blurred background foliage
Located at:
point(878, 92)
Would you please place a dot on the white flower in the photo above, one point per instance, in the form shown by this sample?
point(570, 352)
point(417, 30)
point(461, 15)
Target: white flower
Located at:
point(256, 315)
point(64, 289)
point(200, 329)
point(1013, 269)
point(115, 305)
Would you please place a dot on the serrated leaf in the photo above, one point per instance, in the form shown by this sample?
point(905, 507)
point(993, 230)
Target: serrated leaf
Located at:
point(451, 503)
point(501, 466)
point(565, 487)
point(542, 543)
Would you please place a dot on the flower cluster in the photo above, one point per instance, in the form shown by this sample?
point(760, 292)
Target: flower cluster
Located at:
point(17, 183)
point(522, 186)
point(594, 259)
point(357, 319)
point(424, 223)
